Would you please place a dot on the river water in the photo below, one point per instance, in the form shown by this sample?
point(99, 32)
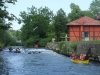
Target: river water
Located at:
point(46, 62)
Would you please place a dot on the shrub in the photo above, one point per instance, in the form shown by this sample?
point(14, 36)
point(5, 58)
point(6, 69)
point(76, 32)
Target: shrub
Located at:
point(74, 47)
point(43, 42)
point(1, 44)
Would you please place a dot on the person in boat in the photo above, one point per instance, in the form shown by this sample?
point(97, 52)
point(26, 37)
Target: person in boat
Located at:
point(82, 57)
point(89, 53)
point(76, 58)
point(18, 50)
point(36, 46)
point(73, 56)
point(10, 49)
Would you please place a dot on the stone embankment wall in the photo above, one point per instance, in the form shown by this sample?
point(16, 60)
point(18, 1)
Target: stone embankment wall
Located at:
point(80, 48)
point(95, 48)
point(53, 46)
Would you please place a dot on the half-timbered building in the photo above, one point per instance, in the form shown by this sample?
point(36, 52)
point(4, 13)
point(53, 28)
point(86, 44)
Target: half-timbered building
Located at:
point(84, 29)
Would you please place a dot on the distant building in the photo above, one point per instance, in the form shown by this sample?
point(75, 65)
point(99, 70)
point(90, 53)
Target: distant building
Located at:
point(84, 29)
point(98, 17)
point(18, 41)
point(53, 39)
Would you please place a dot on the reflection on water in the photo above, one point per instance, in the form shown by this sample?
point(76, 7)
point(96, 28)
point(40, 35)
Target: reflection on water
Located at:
point(45, 63)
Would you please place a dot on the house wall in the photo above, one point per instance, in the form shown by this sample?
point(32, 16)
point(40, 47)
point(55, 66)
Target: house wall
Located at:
point(76, 32)
point(97, 33)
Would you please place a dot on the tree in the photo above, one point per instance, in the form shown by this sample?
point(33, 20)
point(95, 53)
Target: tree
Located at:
point(60, 21)
point(18, 35)
point(75, 10)
point(95, 8)
point(51, 31)
point(4, 14)
point(76, 13)
point(35, 24)
point(5, 38)
point(85, 13)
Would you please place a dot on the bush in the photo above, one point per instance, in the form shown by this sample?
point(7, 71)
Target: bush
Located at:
point(61, 45)
point(1, 44)
point(73, 46)
point(43, 42)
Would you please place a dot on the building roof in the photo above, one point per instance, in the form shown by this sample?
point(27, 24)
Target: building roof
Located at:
point(84, 21)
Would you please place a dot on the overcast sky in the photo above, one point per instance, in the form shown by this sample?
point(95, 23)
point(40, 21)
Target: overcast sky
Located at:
point(54, 5)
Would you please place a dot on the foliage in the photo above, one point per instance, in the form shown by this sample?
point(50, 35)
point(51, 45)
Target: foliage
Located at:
point(4, 14)
point(73, 46)
point(12, 33)
point(75, 9)
point(18, 34)
point(50, 31)
point(1, 44)
point(76, 13)
point(87, 42)
point(85, 13)
point(5, 22)
point(35, 22)
point(43, 42)
point(95, 8)
point(64, 49)
point(61, 45)
point(60, 21)
point(6, 38)
point(39, 24)
point(15, 36)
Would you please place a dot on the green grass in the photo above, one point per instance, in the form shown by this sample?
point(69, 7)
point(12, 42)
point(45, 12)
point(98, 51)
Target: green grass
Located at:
point(85, 42)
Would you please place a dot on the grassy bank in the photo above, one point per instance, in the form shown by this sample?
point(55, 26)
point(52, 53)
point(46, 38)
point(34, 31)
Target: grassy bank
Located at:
point(65, 47)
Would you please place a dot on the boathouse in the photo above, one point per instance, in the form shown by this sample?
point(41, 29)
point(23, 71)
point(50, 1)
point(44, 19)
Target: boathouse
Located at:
point(84, 29)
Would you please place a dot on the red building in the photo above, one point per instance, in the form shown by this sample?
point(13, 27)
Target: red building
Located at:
point(84, 29)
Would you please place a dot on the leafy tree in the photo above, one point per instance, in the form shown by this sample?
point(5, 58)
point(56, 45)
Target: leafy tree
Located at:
point(18, 34)
point(6, 39)
point(76, 13)
point(12, 33)
point(51, 31)
point(46, 16)
point(85, 13)
point(60, 21)
point(35, 24)
point(75, 10)
point(95, 8)
point(74, 7)
point(4, 14)
point(5, 19)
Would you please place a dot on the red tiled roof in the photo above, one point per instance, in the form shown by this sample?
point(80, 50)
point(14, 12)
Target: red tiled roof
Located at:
point(85, 21)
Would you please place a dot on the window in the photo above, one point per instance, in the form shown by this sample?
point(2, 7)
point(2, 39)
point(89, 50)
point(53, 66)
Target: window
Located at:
point(86, 34)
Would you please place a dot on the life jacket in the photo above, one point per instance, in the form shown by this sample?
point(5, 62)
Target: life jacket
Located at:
point(73, 55)
point(81, 57)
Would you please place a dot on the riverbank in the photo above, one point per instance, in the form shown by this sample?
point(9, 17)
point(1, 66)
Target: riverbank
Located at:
point(67, 47)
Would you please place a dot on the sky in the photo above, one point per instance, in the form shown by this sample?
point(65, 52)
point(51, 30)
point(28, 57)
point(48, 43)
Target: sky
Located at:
point(54, 5)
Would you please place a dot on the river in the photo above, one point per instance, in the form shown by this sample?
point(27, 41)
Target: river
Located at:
point(46, 62)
